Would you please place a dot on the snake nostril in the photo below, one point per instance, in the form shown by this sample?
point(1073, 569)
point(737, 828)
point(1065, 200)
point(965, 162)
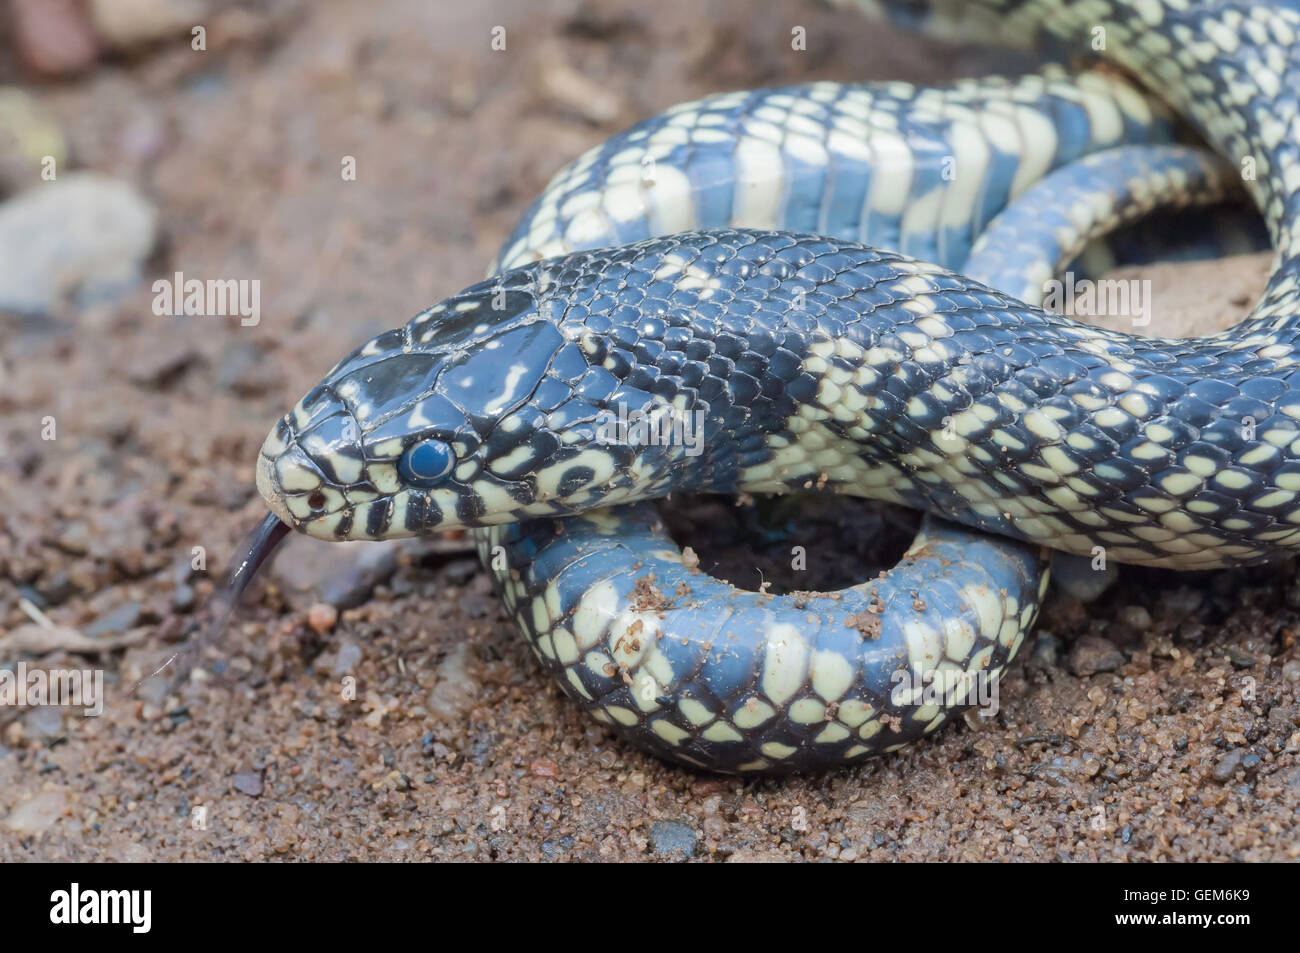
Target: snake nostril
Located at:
point(316, 500)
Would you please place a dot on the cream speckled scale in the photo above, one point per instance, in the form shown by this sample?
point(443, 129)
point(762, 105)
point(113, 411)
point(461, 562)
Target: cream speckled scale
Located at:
point(916, 169)
point(708, 676)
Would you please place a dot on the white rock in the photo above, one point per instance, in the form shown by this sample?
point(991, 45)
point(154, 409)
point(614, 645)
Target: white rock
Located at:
point(84, 235)
point(37, 812)
point(127, 23)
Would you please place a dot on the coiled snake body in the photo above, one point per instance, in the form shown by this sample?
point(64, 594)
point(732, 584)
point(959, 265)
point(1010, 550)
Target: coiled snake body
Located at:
point(808, 356)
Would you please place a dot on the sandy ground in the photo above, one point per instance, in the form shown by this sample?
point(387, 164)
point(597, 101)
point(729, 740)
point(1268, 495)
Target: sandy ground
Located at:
point(1158, 723)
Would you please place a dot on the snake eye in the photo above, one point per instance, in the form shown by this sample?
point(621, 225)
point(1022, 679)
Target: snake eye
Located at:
point(426, 463)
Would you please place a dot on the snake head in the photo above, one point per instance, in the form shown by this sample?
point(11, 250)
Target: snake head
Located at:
point(484, 409)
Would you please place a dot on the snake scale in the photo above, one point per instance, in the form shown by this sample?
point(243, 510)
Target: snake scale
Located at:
point(778, 274)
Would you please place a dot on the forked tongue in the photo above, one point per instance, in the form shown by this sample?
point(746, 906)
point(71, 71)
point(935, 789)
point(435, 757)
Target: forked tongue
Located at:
point(259, 546)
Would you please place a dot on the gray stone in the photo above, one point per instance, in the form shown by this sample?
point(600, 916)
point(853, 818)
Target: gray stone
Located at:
point(1091, 654)
point(119, 620)
point(83, 237)
point(672, 838)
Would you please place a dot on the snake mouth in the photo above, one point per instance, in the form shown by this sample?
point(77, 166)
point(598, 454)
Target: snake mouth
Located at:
point(296, 491)
point(267, 486)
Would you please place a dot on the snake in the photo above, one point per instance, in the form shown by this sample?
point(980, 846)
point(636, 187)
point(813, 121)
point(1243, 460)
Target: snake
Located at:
point(766, 292)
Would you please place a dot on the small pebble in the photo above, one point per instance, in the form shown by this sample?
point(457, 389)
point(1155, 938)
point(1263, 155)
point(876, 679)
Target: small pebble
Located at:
point(1285, 717)
point(1059, 770)
point(57, 589)
point(118, 620)
point(554, 848)
point(348, 659)
point(342, 574)
point(44, 723)
point(125, 24)
point(183, 598)
point(27, 135)
point(37, 812)
point(156, 367)
point(249, 782)
point(1227, 766)
point(75, 539)
point(54, 37)
point(1239, 657)
point(459, 687)
point(1091, 654)
point(322, 617)
point(672, 838)
point(544, 768)
point(1135, 617)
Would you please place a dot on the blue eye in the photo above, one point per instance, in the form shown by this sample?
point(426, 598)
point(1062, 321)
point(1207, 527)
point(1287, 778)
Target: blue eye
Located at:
point(426, 463)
